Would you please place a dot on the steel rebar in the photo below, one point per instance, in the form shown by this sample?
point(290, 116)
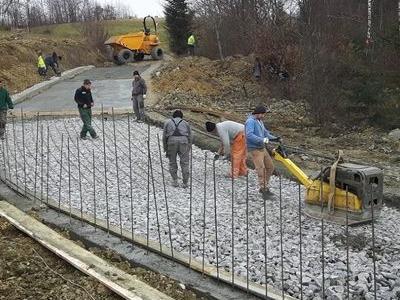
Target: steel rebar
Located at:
point(247, 232)
point(265, 249)
point(281, 235)
point(79, 179)
point(347, 245)
point(216, 219)
point(105, 170)
point(190, 204)
point(165, 194)
point(69, 180)
point(322, 233)
point(148, 188)
point(94, 190)
point(204, 211)
point(300, 245)
point(373, 239)
point(117, 170)
point(36, 155)
point(23, 148)
point(41, 163)
point(61, 167)
point(233, 228)
point(15, 152)
point(47, 164)
point(130, 175)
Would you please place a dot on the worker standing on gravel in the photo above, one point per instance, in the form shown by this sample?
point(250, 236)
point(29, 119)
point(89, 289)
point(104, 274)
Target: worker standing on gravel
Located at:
point(257, 137)
point(177, 139)
point(5, 104)
point(191, 43)
point(84, 99)
point(139, 91)
point(42, 70)
point(233, 145)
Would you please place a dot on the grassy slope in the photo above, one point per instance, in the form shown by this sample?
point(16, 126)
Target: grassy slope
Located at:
point(114, 27)
point(18, 49)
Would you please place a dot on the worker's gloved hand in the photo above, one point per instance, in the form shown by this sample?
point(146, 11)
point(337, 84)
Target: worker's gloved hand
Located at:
point(266, 141)
point(216, 157)
point(144, 96)
point(279, 140)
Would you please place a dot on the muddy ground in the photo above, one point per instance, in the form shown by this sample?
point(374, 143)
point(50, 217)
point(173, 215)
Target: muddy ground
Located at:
point(29, 271)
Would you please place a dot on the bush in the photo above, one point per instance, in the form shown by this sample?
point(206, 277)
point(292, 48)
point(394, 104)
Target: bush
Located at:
point(95, 34)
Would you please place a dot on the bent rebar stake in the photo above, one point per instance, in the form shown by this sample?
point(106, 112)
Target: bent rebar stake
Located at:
point(94, 191)
point(300, 245)
point(79, 178)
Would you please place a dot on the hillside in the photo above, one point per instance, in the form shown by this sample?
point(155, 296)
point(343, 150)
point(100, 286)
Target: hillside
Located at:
point(18, 49)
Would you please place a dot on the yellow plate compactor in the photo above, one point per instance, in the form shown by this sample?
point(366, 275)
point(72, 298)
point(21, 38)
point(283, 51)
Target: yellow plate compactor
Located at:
point(342, 191)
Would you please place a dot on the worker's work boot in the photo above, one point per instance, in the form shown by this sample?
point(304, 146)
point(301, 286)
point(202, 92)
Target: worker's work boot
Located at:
point(175, 183)
point(185, 185)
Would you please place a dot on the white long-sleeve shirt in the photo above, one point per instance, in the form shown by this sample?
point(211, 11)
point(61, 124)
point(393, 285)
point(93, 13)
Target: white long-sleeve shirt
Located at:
point(227, 131)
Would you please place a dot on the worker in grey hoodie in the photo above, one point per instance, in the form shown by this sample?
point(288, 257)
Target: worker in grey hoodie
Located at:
point(177, 139)
point(139, 91)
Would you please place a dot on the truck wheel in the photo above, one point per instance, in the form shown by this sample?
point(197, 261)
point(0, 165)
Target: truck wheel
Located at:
point(116, 60)
point(157, 53)
point(110, 52)
point(138, 56)
point(125, 56)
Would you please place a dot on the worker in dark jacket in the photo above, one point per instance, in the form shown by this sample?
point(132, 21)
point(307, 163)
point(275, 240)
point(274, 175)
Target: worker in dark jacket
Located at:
point(139, 91)
point(83, 97)
point(177, 139)
point(51, 63)
point(5, 104)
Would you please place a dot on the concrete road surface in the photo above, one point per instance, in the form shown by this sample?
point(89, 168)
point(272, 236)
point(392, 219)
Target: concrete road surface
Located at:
point(111, 86)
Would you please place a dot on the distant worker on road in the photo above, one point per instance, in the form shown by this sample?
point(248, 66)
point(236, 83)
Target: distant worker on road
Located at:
point(177, 140)
point(257, 137)
point(42, 70)
point(233, 145)
point(5, 104)
point(84, 99)
point(139, 91)
point(191, 43)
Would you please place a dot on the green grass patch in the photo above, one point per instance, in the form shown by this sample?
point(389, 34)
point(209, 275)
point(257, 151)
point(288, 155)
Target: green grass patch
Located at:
point(114, 27)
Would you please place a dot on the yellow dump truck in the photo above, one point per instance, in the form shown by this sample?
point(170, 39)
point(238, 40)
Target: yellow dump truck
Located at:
point(135, 46)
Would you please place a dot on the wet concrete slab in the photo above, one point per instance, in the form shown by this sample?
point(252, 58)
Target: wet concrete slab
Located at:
point(111, 88)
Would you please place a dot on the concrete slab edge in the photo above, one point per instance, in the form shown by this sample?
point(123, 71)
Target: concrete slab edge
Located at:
point(42, 86)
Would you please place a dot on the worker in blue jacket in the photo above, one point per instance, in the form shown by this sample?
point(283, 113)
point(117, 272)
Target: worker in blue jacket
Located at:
point(257, 136)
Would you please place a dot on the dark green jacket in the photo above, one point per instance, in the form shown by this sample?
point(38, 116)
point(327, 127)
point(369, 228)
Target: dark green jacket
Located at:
point(5, 100)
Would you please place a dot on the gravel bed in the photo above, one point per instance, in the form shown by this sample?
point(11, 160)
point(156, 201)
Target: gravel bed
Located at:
point(132, 197)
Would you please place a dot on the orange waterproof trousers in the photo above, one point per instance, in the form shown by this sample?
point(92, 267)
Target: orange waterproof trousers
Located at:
point(238, 156)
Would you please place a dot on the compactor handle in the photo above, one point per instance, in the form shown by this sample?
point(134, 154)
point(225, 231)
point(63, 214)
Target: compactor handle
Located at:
point(146, 29)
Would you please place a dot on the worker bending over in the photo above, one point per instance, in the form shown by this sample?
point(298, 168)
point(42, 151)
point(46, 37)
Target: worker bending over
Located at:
point(177, 139)
point(257, 137)
point(5, 104)
point(84, 99)
point(233, 145)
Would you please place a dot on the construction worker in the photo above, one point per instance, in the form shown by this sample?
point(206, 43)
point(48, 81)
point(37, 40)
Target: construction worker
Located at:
point(5, 104)
point(84, 99)
point(231, 133)
point(257, 137)
point(177, 139)
point(53, 64)
point(139, 91)
point(42, 70)
point(191, 44)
